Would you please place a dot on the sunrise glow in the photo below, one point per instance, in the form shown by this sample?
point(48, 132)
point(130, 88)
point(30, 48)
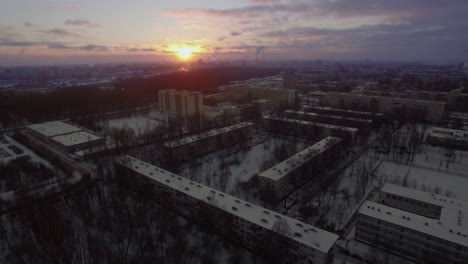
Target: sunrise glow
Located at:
point(185, 53)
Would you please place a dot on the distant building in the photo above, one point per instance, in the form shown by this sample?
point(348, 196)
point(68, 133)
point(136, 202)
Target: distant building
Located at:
point(307, 129)
point(412, 108)
point(447, 137)
point(66, 136)
point(364, 125)
point(192, 146)
point(376, 117)
point(181, 103)
point(419, 225)
point(288, 175)
point(276, 237)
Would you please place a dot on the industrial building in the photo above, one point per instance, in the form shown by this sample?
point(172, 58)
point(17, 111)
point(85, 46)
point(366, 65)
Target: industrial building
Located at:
point(418, 225)
point(278, 238)
point(192, 146)
point(181, 103)
point(66, 136)
point(364, 125)
point(409, 108)
point(307, 129)
point(446, 137)
point(302, 167)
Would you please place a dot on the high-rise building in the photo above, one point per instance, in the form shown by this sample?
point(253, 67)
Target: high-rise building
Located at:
point(181, 103)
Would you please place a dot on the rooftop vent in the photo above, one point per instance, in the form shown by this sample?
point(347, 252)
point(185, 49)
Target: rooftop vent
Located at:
point(264, 220)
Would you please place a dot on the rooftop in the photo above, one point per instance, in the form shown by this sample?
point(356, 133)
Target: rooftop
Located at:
point(343, 110)
point(437, 228)
point(330, 116)
point(448, 133)
point(75, 138)
point(349, 129)
point(54, 128)
point(206, 134)
point(292, 163)
point(301, 232)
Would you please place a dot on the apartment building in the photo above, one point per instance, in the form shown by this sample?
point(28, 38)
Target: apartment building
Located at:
point(447, 137)
point(418, 225)
point(364, 125)
point(181, 103)
point(307, 129)
point(376, 117)
point(67, 137)
point(192, 146)
point(417, 109)
point(288, 175)
point(278, 238)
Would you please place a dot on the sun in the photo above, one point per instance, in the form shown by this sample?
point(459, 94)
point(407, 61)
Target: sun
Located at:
point(185, 53)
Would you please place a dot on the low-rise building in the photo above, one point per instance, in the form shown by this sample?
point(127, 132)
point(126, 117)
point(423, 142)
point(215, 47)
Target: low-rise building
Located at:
point(307, 129)
point(66, 136)
point(278, 238)
point(192, 146)
point(449, 138)
point(364, 125)
point(305, 166)
point(181, 103)
point(418, 225)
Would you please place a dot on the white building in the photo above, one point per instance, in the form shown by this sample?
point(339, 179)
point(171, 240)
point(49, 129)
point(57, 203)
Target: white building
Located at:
point(302, 167)
point(66, 136)
point(276, 237)
point(419, 225)
point(182, 103)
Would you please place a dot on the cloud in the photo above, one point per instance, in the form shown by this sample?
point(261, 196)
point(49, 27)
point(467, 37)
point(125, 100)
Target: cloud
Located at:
point(80, 22)
point(236, 33)
point(29, 24)
point(60, 32)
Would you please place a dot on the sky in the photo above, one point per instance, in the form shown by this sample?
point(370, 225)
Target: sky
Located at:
point(95, 31)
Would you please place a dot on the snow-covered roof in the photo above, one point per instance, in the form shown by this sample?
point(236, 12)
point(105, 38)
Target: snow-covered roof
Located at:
point(292, 163)
point(438, 228)
point(448, 133)
point(326, 108)
point(308, 123)
point(301, 232)
point(362, 120)
point(75, 138)
point(54, 128)
point(207, 134)
point(421, 196)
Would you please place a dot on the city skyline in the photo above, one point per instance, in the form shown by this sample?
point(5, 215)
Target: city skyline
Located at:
point(58, 32)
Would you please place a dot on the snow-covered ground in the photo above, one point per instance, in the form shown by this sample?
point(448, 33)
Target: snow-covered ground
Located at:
point(8, 141)
point(227, 169)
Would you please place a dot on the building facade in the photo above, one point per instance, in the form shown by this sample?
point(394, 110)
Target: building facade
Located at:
point(278, 238)
point(421, 226)
point(364, 125)
point(416, 109)
point(192, 146)
point(181, 103)
point(446, 137)
point(307, 129)
point(305, 166)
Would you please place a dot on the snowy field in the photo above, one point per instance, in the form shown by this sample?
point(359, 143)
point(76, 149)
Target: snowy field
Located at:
point(227, 169)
